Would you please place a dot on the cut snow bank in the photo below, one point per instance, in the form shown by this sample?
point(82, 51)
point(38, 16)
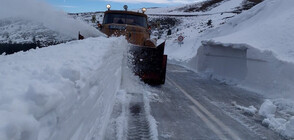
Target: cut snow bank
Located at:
point(246, 66)
point(254, 50)
point(60, 92)
point(41, 12)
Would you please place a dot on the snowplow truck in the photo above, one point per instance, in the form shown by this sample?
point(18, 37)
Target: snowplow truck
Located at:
point(148, 60)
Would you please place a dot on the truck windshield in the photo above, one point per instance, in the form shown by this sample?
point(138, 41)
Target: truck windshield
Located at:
point(125, 19)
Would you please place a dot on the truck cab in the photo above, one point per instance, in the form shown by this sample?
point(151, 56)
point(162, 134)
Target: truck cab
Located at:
point(133, 25)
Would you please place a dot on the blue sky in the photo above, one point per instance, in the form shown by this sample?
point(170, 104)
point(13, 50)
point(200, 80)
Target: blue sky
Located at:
point(100, 5)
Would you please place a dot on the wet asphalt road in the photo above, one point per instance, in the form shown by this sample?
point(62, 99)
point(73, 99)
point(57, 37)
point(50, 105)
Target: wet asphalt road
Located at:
point(190, 107)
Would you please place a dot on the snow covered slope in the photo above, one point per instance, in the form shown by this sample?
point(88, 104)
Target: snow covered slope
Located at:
point(268, 26)
point(207, 7)
point(195, 28)
point(21, 21)
point(17, 30)
point(60, 92)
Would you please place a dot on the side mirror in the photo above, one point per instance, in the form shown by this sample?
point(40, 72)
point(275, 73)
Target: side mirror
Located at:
point(100, 26)
point(149, 27)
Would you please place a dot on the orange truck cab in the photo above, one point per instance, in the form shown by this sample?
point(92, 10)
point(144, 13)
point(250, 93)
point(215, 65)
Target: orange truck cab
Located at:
point(149, 60)
point(133, 25)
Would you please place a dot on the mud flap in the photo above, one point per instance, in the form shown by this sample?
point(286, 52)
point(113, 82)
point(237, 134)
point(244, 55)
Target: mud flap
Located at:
point(163, 70)
point(149, 63)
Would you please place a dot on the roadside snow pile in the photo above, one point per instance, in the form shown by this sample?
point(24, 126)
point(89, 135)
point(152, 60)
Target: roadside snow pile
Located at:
point(284, 126)
point(253, 49)
point(267, 109)
point(39, 12)
point(60, 92)
point(289, 131)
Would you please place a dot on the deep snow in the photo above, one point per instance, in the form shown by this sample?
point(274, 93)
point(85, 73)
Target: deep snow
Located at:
point(47, 93)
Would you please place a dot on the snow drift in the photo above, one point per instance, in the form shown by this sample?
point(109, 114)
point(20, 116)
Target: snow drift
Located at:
point(60, 92)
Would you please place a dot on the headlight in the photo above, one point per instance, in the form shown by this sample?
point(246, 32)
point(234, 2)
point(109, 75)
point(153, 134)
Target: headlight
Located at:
point(108, 6)
point(126, 7)
point(144, 10)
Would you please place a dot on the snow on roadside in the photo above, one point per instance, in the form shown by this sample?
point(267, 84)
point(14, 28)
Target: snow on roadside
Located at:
point(251, 110)
point(60, 92)
point(267, 109)
point(282, 124)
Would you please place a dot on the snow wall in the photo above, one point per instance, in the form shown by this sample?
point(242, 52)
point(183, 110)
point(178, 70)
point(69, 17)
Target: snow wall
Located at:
point(62, 92)
point(246, 66)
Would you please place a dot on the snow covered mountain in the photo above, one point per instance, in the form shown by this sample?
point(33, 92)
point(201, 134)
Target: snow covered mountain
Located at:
point(213, 6)
point(208, 7)
point(36, 22)
point(21, 31)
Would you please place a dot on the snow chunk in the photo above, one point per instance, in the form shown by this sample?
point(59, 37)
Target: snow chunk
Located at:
point(17, 126)
point(251, 110)
point(275, 123)
point(289, 131)
point(283, 126)
point(267, 109)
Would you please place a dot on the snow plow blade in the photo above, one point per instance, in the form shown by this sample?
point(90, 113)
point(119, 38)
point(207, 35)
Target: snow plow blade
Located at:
point(149, 63)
